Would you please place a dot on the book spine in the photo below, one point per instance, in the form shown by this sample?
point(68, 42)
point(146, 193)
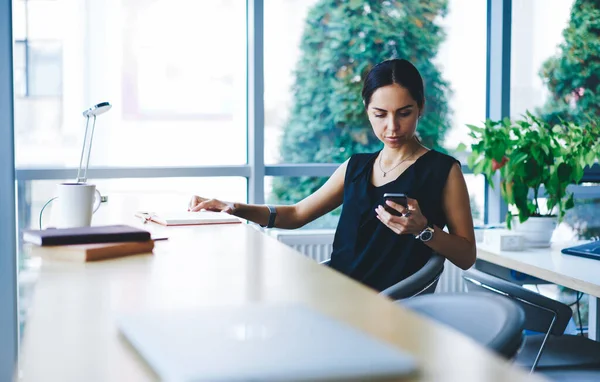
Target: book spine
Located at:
point(118, 251)
point(96, 238)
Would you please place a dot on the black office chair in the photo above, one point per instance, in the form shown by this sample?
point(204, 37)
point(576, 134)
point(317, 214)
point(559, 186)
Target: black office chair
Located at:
point(552, 353)
point(424, 281)
point(492, 321)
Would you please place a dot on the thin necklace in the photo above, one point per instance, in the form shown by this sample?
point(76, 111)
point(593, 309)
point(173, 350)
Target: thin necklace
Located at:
point(399, 163)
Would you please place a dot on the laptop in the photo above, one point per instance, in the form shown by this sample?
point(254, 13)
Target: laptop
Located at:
point(589, 250)
point(259, 343)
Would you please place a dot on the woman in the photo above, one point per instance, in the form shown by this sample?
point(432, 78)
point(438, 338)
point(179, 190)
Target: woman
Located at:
point(371, 244)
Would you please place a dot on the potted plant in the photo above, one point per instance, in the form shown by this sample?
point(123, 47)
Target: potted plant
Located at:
point(536, 162)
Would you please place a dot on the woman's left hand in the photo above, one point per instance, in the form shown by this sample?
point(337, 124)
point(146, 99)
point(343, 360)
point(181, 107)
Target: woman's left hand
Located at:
point(411, 222)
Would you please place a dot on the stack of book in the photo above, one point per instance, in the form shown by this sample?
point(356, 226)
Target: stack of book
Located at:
point(90, 243)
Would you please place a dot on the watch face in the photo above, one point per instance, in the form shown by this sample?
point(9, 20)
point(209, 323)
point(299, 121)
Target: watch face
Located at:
point(426, 235)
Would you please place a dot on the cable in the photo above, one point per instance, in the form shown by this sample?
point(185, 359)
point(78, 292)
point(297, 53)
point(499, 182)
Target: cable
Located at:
point(42, 211)
point(579, 295)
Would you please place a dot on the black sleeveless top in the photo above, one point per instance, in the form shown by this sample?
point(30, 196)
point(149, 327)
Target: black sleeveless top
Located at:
point(367, 250)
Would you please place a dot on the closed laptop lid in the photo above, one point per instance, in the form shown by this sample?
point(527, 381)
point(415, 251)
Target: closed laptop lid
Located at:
point(260, 343)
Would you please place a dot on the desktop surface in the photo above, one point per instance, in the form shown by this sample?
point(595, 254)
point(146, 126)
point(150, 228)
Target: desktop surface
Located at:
point(549, 264)
point(72, 332)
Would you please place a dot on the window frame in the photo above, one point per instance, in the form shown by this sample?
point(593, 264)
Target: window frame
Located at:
point(255, 170)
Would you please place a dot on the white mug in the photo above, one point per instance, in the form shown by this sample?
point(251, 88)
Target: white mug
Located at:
point(76, 204)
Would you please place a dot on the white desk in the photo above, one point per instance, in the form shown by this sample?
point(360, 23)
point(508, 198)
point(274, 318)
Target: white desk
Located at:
point(550, 264)
point(71, 333)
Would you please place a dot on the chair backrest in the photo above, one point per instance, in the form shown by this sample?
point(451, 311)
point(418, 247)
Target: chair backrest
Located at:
point(423, 281)
point(493, 321)
point(539, 310)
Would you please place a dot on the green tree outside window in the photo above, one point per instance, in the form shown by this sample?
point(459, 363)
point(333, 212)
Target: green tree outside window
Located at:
point(342, 40)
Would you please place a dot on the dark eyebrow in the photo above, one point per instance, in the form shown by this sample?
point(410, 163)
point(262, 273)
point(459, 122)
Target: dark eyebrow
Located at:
point(385, 111)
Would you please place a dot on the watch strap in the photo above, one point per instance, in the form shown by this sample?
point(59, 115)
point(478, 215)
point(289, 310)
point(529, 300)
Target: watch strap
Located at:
point(272, 216)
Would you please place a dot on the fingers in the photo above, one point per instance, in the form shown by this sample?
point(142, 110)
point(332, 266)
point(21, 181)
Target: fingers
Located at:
point(398, 207)
point(408, 223)
point(389, 219)
point(210, 205)
point(194, 201)
point(205, 205)
point(413, 204)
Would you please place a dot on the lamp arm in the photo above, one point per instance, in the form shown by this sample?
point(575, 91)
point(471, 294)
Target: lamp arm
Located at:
point(81, 179)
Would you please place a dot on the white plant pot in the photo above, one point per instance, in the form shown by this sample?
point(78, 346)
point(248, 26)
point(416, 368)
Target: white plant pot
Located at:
point(537, 231)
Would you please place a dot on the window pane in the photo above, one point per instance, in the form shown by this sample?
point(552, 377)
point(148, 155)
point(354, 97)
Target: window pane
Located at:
point(537, 33)
point(285, 190)
point(316, 57)
point(178, 90)
point(45, 69)
point(45, 19)
point(19, 69)
point(19, 20)
point(476, 187)
point(38, 135)
point(582, 222)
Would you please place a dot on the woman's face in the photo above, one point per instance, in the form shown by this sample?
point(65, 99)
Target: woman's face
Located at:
point(393, 113)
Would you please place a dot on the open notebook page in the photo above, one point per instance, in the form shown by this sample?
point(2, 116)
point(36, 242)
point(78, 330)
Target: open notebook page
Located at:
point(169, 218)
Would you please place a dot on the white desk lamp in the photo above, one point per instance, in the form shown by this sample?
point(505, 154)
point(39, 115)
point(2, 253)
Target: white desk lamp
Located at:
point(93, 111)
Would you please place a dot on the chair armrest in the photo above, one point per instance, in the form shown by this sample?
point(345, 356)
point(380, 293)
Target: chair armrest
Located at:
point(418, 282)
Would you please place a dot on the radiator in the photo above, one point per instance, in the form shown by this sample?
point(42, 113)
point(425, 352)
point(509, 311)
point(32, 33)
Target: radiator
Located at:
point(317, 245)
point(451, 280)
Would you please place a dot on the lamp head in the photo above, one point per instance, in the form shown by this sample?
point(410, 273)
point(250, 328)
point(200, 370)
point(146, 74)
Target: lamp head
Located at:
point(98, 109)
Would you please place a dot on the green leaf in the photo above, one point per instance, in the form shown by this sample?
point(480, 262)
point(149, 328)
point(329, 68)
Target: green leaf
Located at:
point(590, 158)
point(476, 128)
point(478, 168)
point(564, 172)
point(461, 148)
point(518, 158)
point(570, 203)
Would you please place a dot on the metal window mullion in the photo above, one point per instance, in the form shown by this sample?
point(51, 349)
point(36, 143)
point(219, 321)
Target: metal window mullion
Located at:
point(8, 251)
point(497, 90)
point(255, 100)
point(24, 174)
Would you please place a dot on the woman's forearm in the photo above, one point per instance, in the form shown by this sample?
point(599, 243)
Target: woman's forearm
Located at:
point(460, 251)
point(286, 218)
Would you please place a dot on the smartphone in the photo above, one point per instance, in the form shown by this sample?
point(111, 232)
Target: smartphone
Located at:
point(397, 198)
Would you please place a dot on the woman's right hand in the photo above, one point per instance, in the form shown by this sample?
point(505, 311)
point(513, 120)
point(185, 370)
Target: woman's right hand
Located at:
point(198, 203)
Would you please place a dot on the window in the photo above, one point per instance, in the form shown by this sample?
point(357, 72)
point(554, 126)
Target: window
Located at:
point(304, 121)
point(537, 28)
point(275, 195)
point(461, 34)
point(174, 71)
point(582, 222)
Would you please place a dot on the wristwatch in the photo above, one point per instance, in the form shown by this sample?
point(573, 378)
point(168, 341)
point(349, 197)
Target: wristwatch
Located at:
point(272, 216)
point(426, 234)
